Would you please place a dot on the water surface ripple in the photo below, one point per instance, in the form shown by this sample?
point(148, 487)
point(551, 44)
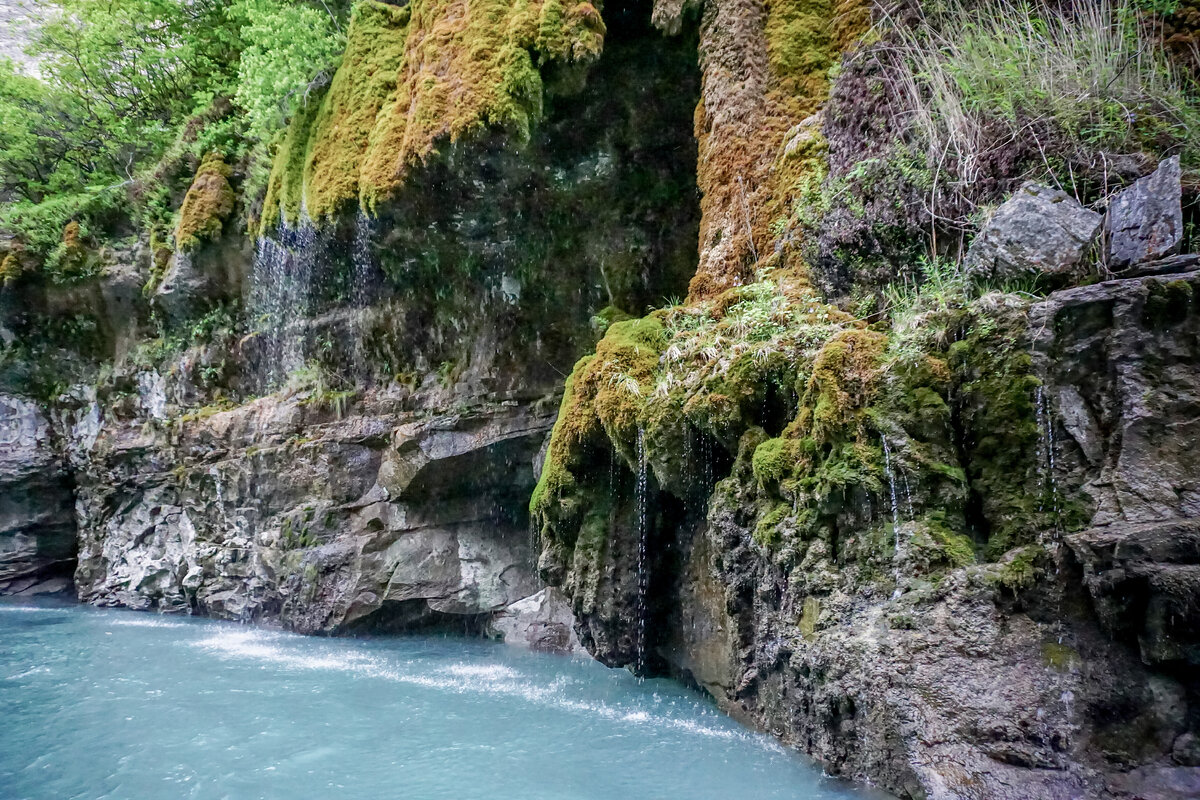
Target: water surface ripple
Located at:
point(118, 704)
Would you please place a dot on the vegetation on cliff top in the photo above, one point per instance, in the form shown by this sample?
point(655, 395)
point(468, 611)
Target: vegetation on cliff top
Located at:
point(955, 104)
point(127, 100)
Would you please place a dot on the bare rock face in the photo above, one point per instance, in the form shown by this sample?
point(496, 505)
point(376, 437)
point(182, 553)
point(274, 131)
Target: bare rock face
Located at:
point(37, 523)
point(542, 621)
point(1038, 231)
point(381, 520)
point(1145, 221)
point(1123, 362)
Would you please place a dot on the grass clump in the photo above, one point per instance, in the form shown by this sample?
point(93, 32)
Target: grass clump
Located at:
point(1064, 92)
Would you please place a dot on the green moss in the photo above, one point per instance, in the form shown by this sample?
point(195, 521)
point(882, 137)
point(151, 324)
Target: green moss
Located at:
point(767, 532)
point(1059, 657)
point(416, 76)
point(773, 459)
point(208, 203)
point(843, 384)
point(953, 549)
point(810, 613)
point(996, 393)
point(1021, 569)
point(1167, 303)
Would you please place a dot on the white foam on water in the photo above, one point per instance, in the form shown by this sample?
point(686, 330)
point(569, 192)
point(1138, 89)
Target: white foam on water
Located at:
point(147, 623)
point(482, 679)
point(28, 672)
point(489, 672)
point(30, 609)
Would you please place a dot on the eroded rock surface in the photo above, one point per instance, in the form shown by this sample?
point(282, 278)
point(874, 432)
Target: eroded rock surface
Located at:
point(1038, 231)
point(1145, 221)
point(37, 521)
point(383, 519)
point(1061, 665)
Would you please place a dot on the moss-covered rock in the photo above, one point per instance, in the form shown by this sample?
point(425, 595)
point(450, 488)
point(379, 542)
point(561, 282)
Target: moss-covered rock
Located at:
point(415, 77)
point(208, 203)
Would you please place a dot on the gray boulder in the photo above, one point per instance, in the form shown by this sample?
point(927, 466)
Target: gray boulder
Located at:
point(1145, 221)
point(1038, 230)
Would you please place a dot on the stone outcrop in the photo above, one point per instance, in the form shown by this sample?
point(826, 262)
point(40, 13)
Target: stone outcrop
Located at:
point(1050, 652)
point(383, 519)
point(1145, 221)
point(1121, 358)
point(542, 621)
point(1038, 231)
point(37, 520)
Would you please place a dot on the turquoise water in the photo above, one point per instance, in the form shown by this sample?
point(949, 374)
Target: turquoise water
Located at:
point(117, 704)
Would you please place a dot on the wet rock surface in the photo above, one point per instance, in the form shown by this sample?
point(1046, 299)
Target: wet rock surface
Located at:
point(37, 521)
point(542, 621)
point(1145, 221)
point(1065, 668)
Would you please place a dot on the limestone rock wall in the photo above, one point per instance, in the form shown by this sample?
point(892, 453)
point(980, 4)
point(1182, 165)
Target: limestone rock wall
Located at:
point(384, 518)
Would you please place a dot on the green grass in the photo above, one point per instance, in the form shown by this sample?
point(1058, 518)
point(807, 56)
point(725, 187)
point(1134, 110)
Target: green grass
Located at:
point(1068, 88)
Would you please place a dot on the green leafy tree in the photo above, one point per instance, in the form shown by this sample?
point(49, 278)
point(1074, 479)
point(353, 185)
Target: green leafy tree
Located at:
point(291, 50)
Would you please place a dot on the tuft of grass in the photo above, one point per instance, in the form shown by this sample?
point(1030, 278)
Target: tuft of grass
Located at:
point(1074, 89)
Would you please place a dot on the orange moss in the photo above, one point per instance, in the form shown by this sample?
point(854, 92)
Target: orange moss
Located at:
point(756, 153)
point(10, 268)
point(844, 380)
point(208, 203)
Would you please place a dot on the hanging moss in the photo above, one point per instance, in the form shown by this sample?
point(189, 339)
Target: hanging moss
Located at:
point(208, 203)
point(10, 268)
point(415, 77)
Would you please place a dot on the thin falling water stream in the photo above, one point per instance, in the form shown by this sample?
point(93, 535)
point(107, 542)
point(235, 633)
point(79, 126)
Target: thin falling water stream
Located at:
point(891, 479)
point(280, 295)
point(643, 533)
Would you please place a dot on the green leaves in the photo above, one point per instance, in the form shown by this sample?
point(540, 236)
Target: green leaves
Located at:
point(131, 93)
point(290, 50)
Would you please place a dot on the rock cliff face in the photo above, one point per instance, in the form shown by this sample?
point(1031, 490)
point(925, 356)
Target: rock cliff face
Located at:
point(951, 548)
point(37, 521)
point(384, 518)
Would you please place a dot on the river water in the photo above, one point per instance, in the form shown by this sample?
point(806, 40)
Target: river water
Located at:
point(118, 704)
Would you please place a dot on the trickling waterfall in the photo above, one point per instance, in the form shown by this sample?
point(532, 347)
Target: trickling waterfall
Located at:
point(891, 479)
point(643, 533)
point(1047, 454)
point(364, 280)
point(364, 277)
point(280, 295)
